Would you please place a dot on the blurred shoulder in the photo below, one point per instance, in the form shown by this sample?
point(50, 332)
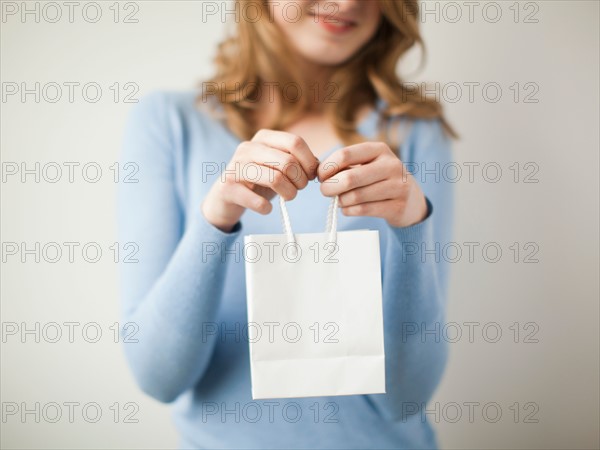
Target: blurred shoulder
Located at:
point(179, 114)
point(169, 103)
point(416, 137)
point(425, 131)
point(425, 139)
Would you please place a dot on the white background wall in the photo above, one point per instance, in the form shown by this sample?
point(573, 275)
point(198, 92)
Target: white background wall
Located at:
point(169, 47)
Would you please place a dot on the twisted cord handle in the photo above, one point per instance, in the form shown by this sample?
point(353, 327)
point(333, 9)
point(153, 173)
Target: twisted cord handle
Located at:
point(331, 226)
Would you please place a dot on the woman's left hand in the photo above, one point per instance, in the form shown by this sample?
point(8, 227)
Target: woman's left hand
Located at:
point(371, 181)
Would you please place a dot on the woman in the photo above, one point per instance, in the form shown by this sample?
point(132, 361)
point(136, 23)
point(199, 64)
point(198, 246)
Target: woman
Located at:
point(351, 132)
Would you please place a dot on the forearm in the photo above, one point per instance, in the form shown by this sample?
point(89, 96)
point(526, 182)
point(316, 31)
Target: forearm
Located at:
point(173, 348)
point(414, 299)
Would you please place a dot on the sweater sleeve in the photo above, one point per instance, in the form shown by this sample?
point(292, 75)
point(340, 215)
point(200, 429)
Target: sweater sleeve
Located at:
point(415, 282)
point(169, 288)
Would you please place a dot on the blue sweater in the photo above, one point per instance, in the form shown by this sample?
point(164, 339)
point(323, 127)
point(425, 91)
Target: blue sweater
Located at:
point(191, 308)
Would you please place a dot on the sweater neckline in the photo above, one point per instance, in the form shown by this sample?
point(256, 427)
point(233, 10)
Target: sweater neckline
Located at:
point(364, 127)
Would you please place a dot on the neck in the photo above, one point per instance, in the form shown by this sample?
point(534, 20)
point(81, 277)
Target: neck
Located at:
point(316, 83)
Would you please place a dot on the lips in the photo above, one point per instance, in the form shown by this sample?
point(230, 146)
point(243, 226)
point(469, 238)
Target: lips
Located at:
point(331, 18)
point(335, 24)
point(338, 20)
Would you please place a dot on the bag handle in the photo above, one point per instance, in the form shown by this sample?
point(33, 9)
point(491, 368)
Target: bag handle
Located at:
point(331, 226)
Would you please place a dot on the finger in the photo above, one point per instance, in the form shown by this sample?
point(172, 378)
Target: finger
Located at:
point(285, 162)
point(371, 209)
point(254, 173)
point(381, 190)
point(349, 156)
point(355, 177)
point(245, 197)
point(292, 144)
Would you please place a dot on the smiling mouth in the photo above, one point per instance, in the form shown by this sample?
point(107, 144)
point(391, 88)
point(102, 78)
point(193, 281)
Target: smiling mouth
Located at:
point(334, 23)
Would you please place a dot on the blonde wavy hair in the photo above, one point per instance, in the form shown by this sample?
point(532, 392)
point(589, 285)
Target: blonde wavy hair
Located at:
point(257, 53)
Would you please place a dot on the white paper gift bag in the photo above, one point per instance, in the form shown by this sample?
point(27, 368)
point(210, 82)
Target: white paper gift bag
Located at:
point(315, 320)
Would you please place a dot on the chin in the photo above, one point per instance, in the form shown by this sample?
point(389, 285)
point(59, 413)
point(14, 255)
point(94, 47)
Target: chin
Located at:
point(327, 56)
point(328, 62)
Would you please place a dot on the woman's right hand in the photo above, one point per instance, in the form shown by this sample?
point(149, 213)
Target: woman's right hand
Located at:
point(273, 162)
